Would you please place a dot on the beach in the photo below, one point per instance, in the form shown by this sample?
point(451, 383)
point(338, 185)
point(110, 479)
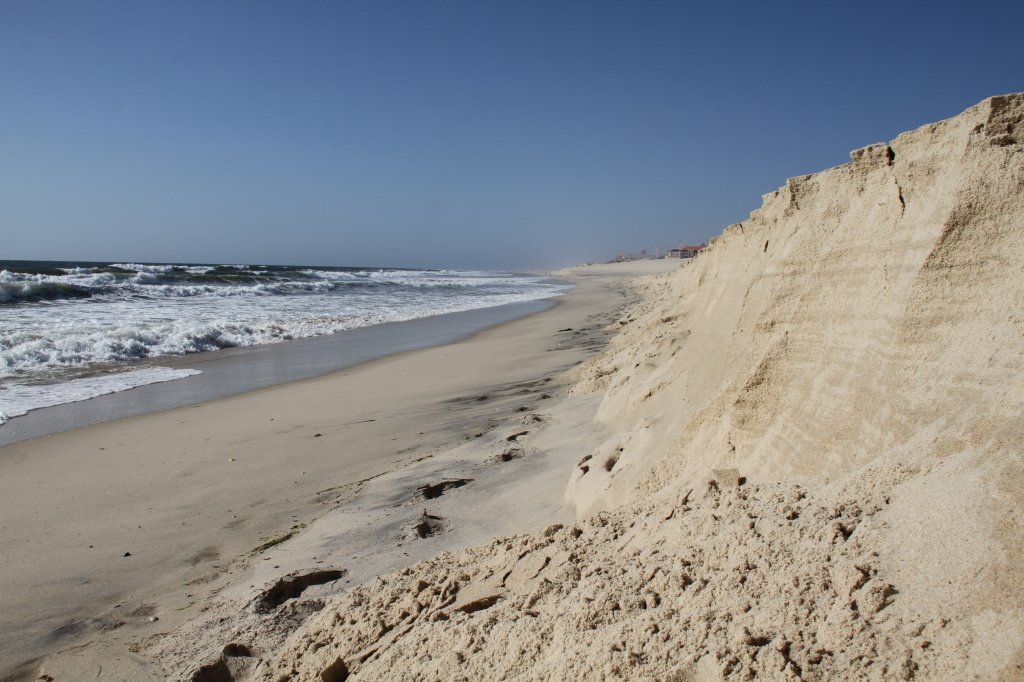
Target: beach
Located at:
point(121, 530)
point(797, 457)
point(794, 456)
point(525, 342)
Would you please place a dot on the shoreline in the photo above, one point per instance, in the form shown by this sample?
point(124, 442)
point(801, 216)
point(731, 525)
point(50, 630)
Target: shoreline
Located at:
point(215, 488)
point(788, 480)
point(234, 371)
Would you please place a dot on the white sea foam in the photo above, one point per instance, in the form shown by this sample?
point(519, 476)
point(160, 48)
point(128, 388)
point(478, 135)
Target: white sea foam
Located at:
point(18, 399)
point(119, 318)
point(54, 321)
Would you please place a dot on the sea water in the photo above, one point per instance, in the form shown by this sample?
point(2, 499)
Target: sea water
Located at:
point(71, 331)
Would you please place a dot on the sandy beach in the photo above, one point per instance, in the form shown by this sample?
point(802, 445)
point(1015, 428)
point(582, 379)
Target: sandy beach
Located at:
point(795, 456)
point(511, 341)
point(119, 531)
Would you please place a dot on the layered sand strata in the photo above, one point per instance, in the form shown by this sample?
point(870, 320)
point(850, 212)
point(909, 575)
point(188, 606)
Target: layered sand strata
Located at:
point(814, 468)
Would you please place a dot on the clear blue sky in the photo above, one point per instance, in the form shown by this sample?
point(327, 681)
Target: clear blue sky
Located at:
point(452, 134)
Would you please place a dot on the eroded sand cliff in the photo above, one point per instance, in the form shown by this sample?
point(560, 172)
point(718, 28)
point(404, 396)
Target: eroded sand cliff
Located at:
point(816, 470)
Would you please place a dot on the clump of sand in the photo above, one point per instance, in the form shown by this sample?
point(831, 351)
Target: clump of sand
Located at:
point(815, 469)
point(721, 579)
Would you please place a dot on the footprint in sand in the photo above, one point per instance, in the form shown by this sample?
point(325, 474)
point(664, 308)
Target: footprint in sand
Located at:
point(428, 525)
point(432, 491)
point(231, 664)
point(292, 586)
point(510, 454)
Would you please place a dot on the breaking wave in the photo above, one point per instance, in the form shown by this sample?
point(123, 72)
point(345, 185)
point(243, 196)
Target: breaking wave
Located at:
point(17, 399)
point(66, 317)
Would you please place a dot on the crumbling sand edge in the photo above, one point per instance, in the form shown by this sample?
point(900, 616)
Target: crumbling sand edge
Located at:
point(854, 353)
point(816, 470)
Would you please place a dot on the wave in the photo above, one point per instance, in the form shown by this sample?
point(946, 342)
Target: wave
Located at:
point(17, 399)
point(38, 291)
point(48, 283)
point(60, 320)
point(74, 347)
point(120, 320)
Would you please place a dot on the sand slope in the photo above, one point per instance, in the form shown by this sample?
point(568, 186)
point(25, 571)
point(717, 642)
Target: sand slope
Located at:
point(850, 360)
point(276, 492)
point(815, 469)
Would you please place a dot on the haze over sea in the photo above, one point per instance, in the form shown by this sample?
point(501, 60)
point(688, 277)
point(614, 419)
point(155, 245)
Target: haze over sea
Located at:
point(70, 331)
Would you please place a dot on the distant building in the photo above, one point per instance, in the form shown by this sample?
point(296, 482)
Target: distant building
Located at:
point(686, 251)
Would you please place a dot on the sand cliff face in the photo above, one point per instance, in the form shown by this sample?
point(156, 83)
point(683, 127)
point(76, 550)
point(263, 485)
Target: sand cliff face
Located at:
point(817, 467)
point(871, 308)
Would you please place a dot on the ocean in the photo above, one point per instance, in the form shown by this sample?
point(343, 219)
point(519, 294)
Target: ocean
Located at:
point(71, 331)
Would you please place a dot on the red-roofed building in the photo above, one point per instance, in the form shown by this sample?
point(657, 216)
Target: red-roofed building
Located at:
point(686, 251)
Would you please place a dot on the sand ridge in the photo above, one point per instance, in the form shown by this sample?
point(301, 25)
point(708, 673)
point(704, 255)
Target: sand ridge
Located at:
point(808, 464)
point(814, 469)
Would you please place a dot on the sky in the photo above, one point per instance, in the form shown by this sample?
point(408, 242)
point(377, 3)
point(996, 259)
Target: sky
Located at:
point(493, 135)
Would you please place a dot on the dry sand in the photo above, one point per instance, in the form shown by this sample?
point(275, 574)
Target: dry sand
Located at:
point(191, 493)
point(805, 463)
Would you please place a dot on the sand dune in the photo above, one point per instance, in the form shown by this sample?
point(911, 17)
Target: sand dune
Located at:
point(816, 467)
point(806, 464)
